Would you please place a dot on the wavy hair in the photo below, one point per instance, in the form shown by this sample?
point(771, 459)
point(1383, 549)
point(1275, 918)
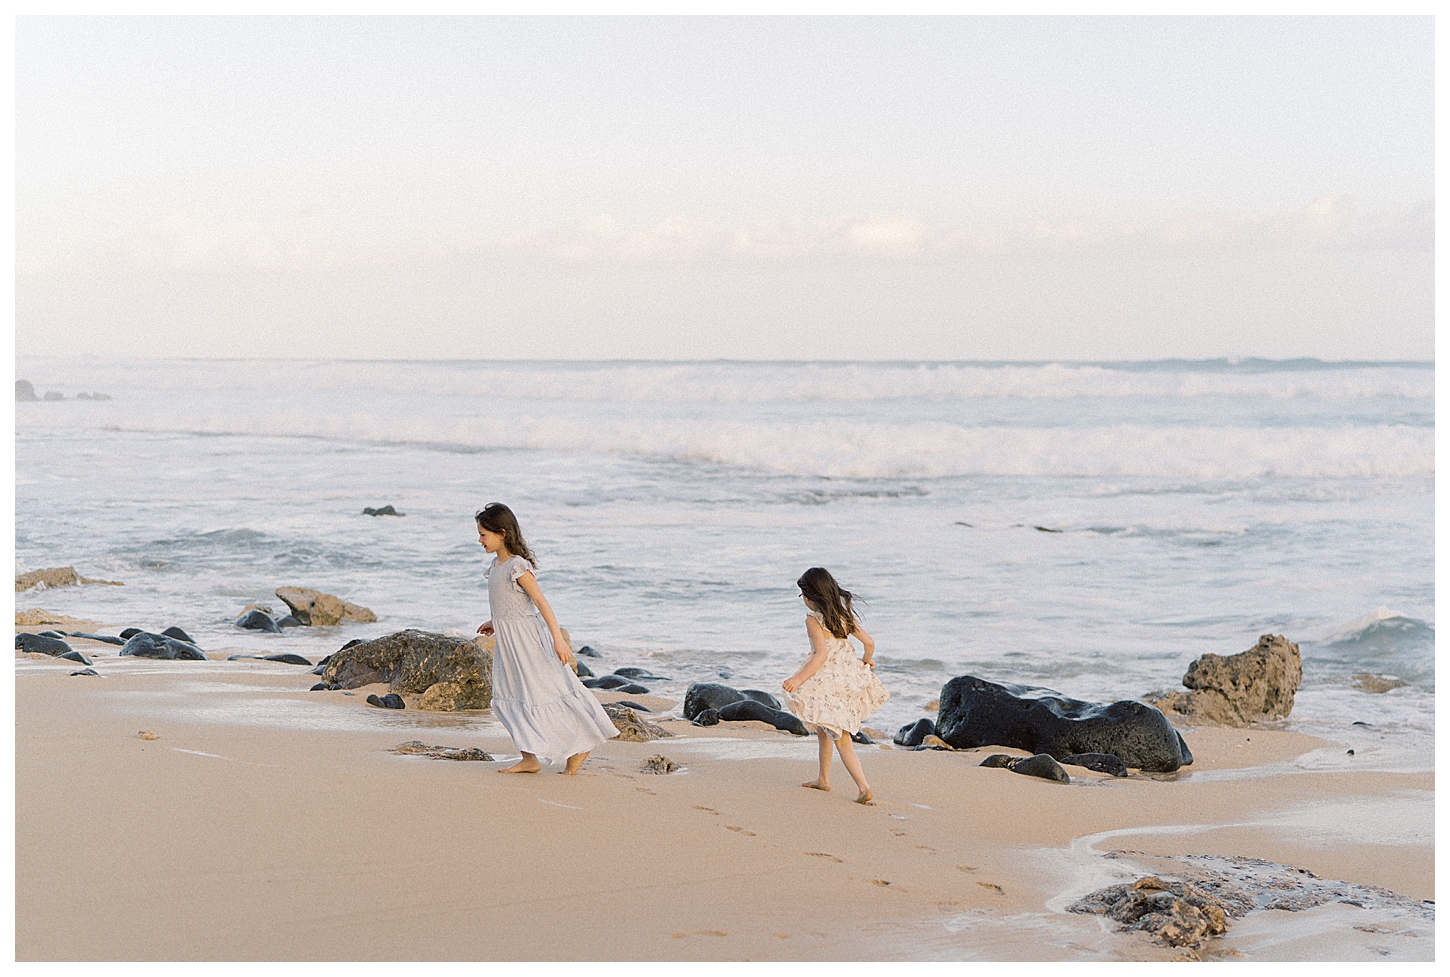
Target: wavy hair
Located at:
point(820, 588)
point(499, 518)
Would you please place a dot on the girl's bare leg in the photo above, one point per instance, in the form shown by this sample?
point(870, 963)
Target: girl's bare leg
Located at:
point(575, 762)
point(853, 767)
point(528, 763)
point(823, 782)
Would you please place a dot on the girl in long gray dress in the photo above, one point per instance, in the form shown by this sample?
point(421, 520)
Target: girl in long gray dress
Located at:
point(536, 696)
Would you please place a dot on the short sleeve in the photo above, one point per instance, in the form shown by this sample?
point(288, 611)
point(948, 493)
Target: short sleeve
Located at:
point(520, 567)
point(820, 619)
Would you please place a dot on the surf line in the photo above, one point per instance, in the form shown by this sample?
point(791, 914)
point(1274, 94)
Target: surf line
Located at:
point(557, 804)
point(218, 756)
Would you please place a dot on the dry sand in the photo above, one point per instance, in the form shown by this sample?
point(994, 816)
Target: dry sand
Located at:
point(269, 823)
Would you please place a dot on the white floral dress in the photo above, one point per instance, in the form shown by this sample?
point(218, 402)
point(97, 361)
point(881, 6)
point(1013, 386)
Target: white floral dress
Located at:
point(840, 695)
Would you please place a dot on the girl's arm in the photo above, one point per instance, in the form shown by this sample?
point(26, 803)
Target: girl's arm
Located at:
point(812, 666)
point(531, 587)
point(867, 642)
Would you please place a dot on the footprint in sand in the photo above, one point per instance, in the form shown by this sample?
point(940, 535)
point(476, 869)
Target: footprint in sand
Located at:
point(731, 827)
point(993, 888)
point(879, 882)
point(645, 790)
point(709, 809)
point(681, 936)
point(966, 868)
point(821, 854)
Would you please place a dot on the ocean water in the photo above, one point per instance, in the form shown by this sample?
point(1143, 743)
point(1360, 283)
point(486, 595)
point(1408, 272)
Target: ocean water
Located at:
point(1088, 527)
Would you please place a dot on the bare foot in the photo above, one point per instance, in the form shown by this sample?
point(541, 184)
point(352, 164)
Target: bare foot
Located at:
point(523, 766)
point(816, 785)
point(575, 762)
point(865, 798)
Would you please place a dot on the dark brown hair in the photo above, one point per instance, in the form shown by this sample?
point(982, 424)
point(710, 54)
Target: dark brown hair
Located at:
point(499, 518)
point(820, 588)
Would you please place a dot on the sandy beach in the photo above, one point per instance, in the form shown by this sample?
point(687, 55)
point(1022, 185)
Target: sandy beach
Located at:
point(265, 822)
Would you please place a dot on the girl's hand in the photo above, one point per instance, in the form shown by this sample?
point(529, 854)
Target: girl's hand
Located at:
point(791, 684)
point(486, 628)
point(562, 649)
point(868, 663)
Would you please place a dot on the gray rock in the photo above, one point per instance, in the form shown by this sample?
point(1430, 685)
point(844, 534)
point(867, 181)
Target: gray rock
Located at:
point(707, 717)
point(288, 621)
point(129, 633)
point(179, 635)
point(54, 395)
point(582, 670)
point(390, 701)
point(587, 652)
point(25, 391)
point(76, 657)
point(86, 671)
point(386, 510)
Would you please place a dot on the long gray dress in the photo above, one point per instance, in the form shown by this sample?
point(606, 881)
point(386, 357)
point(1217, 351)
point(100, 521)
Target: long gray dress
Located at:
point(538, 698)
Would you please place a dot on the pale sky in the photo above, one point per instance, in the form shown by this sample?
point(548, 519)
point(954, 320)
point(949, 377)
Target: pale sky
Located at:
point(797, 188)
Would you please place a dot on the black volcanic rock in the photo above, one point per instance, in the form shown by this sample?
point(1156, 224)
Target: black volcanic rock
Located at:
point(40, 643)
point(144, 644)
point(913, 733)
point(747, 709)
point(255, 620)
point(975, 712)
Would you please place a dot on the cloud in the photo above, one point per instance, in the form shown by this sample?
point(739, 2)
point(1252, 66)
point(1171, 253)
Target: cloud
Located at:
point(304, 242)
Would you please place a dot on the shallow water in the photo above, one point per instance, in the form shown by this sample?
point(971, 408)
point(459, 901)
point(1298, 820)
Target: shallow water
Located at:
point(1088, 527)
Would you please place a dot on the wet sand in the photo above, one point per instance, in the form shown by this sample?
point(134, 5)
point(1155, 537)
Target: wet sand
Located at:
point(269, 823)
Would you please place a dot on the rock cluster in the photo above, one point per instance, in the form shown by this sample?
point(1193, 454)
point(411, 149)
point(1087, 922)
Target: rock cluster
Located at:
point(419, 748)
point(632, 727)
point(1175, 913)
point(56, 577)
point(1237, 690)
point(975, 712)
point(1040, 765)
point(658, 764)
point(446, 673)
point(314, 608)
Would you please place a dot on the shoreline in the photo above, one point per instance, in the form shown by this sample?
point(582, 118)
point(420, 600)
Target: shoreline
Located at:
point(266, 822)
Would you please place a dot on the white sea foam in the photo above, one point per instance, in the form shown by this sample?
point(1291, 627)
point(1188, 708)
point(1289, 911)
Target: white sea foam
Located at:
point(840, 448)
point(639, 382)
